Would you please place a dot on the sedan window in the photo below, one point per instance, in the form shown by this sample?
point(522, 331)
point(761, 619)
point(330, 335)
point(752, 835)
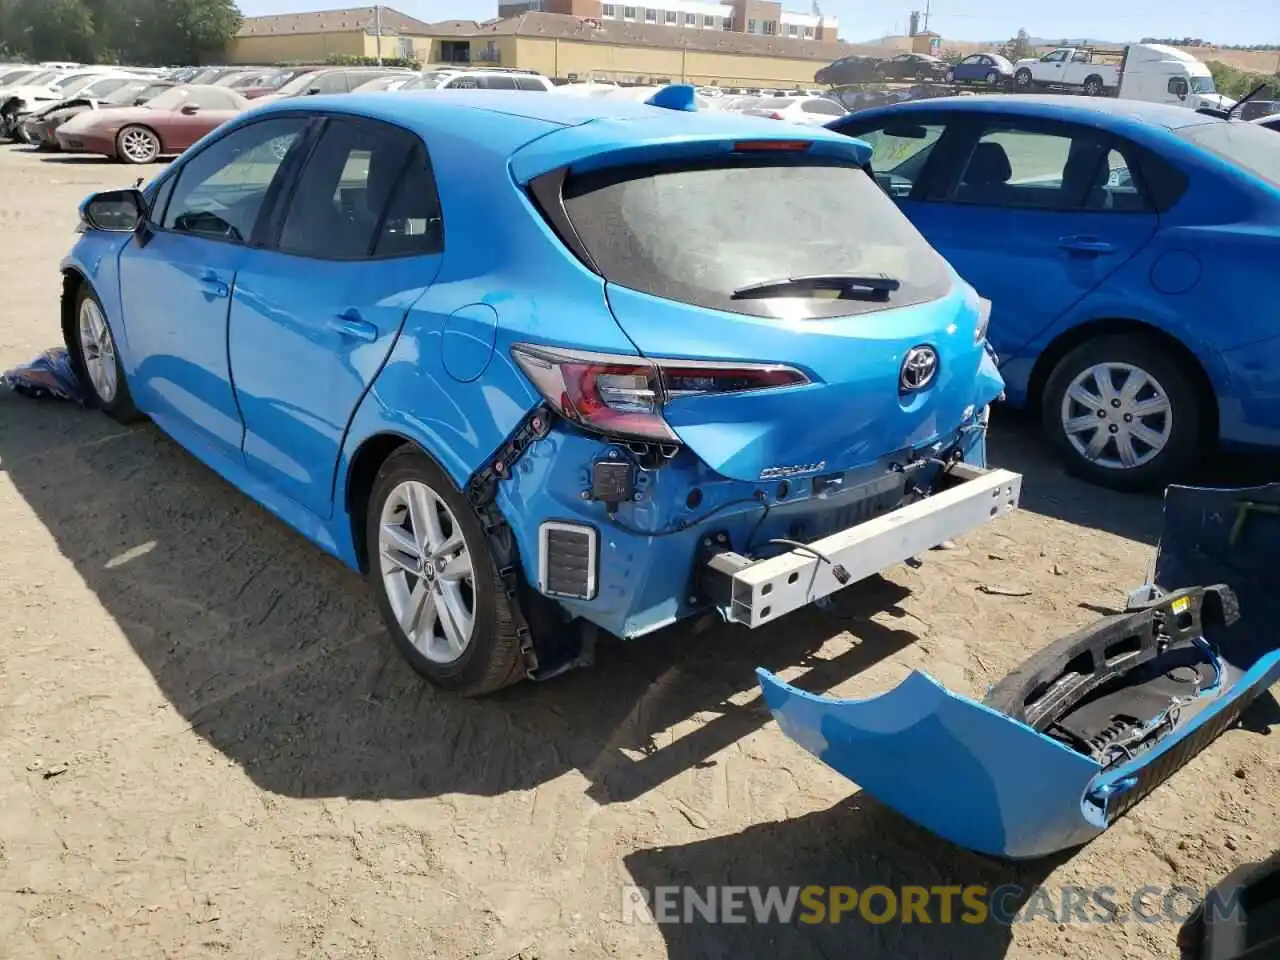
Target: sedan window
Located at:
point(899, 153)
point(1042, 169)
point(220, 190)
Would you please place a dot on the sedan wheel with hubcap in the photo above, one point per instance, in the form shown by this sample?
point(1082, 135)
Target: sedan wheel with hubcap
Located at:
point(137, 145)
point(1125, 412)
point(1117, 416)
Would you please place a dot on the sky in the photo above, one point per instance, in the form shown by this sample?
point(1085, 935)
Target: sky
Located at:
point(1226, 21)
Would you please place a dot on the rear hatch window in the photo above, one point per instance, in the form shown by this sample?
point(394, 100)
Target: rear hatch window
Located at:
point(791, 240)
point(1245, 144)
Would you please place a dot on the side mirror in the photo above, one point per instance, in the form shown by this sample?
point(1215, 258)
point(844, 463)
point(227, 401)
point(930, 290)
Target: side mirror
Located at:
point(313, 91)
point(190, 109)
point(114, 211)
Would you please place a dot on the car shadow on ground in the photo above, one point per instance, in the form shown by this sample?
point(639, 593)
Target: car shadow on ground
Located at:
point(860, 844)
point(1017, 444)
point(273, 652)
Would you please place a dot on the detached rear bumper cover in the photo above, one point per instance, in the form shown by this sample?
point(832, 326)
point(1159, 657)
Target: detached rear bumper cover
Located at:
point(1040, 767)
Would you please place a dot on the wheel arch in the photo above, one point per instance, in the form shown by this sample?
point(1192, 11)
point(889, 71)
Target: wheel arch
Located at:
point(72, 280)
point(362, 470)
point(1068, 340)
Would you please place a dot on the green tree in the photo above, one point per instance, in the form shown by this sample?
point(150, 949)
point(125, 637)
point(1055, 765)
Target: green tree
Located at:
point(1234, 83)
point(51, 30)
point(1019, 48)
point(951, 56)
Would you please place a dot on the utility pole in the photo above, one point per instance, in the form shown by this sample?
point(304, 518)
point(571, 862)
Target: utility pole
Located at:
point(926, 15)
point(377, 31)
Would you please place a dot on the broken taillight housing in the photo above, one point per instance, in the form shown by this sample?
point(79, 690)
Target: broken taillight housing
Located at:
point(624, 396)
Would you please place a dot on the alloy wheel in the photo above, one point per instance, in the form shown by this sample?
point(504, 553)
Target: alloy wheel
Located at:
point(98, 350)
point(427, 571)
point(1117, 415)
point(139, 145)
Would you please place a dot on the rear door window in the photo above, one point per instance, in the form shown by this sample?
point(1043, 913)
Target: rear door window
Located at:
point(706, 235)
point(496, 82)
point(530, 83)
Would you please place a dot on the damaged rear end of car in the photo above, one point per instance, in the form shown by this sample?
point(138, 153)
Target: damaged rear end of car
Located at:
point(804, 399)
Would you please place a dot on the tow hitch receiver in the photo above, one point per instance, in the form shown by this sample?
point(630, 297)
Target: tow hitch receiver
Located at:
point(755, 592)
point(1087, 727)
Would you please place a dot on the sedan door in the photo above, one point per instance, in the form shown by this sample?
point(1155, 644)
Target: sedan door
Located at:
point(1031, 213)
point(204, 110)
point(177, 275)
point(319, 307)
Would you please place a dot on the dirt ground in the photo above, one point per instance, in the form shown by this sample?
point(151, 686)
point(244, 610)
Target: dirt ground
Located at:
point(210, 749)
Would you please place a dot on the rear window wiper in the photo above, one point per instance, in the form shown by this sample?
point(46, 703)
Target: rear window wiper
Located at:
point(876, 287)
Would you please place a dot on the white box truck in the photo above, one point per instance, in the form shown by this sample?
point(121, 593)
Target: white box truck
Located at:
point(1141, 71)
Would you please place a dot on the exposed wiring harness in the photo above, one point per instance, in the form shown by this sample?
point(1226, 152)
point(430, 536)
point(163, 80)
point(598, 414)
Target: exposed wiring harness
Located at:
point(837, 571)
point(685, 525)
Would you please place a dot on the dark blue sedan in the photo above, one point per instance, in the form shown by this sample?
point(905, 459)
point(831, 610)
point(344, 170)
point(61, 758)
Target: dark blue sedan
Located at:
point(1129, 250)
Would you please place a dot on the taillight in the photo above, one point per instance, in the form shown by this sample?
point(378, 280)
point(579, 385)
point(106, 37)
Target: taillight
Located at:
point(624, 396)
point(775, 116)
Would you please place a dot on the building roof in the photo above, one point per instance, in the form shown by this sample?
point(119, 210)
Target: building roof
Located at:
point(552, 26)
point(565, 27)
point(344, 20)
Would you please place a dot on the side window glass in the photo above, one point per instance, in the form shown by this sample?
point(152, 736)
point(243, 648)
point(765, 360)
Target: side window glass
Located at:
point(461, 83)
point(337, 211)
point(1117, 187)
point(160, 200)
point(499, 83)
point(899, 154)
point(412, 224)
point(529, 83)
point(1031, 169)
point(220, 191)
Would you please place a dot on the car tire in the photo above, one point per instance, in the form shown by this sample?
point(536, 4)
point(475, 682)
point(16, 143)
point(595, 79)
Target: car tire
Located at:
point(1093, 86)
point(951, 76)
point(95, 361)
point(993, 79)
point(1076, 393)
point(1022, 79)
point(136, 144)
point(490, 656)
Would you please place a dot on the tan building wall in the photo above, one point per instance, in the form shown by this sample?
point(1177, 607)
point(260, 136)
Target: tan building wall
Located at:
point(550, 56)
point(295, 47)
point(560, 58)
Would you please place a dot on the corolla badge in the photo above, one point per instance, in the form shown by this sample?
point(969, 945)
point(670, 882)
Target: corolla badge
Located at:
point(919, 367)
point(782, 473)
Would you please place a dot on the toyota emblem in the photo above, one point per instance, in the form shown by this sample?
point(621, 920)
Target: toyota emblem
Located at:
point(919, 367)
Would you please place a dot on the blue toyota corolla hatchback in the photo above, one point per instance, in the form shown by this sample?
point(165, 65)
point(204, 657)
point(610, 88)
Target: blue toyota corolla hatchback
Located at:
point(535, 362)
point(1130, 252)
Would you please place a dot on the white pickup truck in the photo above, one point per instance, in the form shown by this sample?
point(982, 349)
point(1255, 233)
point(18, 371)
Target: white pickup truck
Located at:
point(1080, 67)
point(1144, 71)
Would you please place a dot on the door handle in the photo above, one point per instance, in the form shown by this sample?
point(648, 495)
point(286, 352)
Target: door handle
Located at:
point(214, 286)
point(351, 324)
point(1085, 245)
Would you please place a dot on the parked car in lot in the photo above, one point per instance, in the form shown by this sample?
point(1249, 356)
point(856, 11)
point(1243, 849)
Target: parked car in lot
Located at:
point(95, 89)
point(660, 390)
point(40, 129)
point(331, 80)
point(1270, 123)
point(986, 68)
point(48, 87)
point(813, 111)
point(1128, 249)
point(855, 68)
point(480, 80)
point(163, 126)
point(912, 66)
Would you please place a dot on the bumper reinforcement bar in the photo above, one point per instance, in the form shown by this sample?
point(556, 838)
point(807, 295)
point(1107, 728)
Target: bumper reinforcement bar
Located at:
point(756, 592)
